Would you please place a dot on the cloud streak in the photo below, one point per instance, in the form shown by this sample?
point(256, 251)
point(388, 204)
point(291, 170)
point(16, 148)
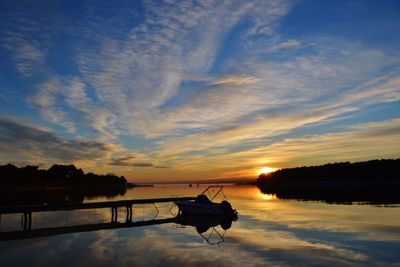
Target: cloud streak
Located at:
point(183, 37)
point(27, 142)
point(235, 80)
point(133, 161)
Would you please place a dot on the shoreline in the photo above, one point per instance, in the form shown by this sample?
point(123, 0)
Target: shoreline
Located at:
point(65, 187)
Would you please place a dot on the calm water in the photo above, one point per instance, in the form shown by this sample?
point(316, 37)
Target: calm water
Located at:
point(269, 231)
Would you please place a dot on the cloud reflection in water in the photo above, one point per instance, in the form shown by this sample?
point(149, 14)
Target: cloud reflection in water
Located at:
point(268, 232)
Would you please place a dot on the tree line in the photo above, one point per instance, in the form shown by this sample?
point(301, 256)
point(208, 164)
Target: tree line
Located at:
point(56, 175)
point(373, 182)
point(373, 170)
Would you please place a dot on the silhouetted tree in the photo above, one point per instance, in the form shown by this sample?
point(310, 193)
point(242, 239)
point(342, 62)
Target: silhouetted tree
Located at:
point(64, 175)
point(376, 180)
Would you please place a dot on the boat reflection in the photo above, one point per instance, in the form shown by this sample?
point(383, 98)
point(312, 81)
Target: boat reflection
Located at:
point(208, 227)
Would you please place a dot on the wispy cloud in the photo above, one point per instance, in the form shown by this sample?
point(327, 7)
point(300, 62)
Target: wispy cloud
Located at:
point(28, 57)
point(235, 80)
point(359, 142)
point(281, 105)
point(47, 101)
point(184, 37)
point(291, 43)
point(99, 118)
point(23, 37)
point(22, 141)
point(133, 161)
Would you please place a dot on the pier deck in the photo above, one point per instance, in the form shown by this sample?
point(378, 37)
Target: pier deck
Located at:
point(27, 210)
point(89, 205)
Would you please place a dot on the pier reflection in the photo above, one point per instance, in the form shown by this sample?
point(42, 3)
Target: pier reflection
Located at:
point(201, 223)
point(215, 224)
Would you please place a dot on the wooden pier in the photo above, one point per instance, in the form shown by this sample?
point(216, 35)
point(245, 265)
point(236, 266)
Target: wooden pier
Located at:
point(27, 210)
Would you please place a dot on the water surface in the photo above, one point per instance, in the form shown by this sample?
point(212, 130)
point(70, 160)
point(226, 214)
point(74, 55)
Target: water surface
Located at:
point(269, 231)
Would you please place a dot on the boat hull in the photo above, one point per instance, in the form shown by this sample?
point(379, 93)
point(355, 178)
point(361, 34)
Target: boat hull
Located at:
point(193, 208)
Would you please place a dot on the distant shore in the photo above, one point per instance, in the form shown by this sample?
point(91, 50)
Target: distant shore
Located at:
point(12, 195)
point(376, 181)
point(58, 184)
point(57, 176)
point(15, 188)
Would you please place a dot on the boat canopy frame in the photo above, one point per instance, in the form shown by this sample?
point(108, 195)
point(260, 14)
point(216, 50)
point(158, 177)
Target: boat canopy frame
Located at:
point(213, 191)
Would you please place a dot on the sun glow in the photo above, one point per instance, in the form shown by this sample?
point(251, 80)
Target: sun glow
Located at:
point(268, 196)
point(265, 170)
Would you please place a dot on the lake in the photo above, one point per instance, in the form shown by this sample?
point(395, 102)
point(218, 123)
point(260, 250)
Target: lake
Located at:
point(269, 231)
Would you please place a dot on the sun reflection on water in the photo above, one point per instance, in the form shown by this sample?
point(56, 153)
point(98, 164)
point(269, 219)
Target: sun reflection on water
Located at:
point(268, 196)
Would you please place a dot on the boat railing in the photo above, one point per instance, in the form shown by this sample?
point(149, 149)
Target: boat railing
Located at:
point(210, 239)
point(213, 191)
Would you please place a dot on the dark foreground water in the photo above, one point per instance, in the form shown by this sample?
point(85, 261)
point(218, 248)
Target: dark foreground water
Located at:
point(269, 231)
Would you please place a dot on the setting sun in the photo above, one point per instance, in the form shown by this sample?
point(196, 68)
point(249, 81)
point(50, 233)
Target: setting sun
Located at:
point(266, 170)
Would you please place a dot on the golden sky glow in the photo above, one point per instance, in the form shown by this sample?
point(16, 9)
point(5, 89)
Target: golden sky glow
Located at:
point(218, 91)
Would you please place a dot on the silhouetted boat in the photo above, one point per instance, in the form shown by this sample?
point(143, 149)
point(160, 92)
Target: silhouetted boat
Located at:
point(202, 205)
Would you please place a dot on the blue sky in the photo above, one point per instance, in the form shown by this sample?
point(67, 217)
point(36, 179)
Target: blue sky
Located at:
point(175, 90)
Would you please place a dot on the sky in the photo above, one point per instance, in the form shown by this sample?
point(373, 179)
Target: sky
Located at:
point(162, 91)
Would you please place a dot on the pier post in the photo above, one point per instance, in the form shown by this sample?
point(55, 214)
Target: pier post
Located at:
point(23, 221)
point(29, 220)
point(26, 221)
point(129, 213)
point(112, 214)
